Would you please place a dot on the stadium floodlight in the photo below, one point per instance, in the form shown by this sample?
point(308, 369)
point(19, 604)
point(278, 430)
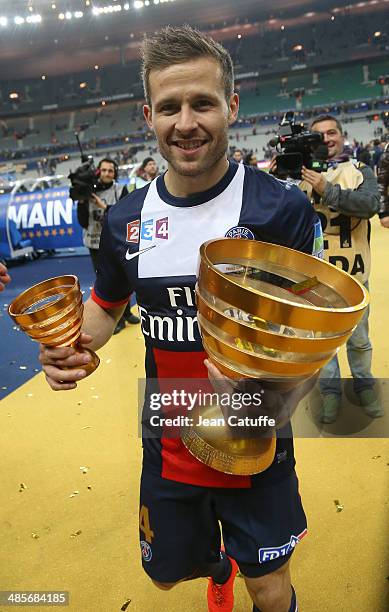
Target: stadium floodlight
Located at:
point(61, 16)
point(138, 4)
point(68, 15)
point(3, 21)
point(78, 14)
point(34, 19)
point(126, 6)
point(96, 11)
point(18, 20)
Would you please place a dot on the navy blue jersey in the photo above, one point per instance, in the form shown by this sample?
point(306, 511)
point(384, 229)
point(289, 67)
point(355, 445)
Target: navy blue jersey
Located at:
point(150, 244)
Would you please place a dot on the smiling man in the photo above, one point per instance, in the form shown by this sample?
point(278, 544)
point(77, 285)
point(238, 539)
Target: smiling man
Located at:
point(150, 243)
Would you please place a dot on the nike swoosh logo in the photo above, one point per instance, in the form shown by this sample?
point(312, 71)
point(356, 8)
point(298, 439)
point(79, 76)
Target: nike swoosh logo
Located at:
point(133, 255)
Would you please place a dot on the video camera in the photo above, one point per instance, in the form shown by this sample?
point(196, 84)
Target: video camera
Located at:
point(298, 147)
point(84, 179)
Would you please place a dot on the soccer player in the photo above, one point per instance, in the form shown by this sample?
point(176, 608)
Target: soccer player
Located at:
point(150, 244)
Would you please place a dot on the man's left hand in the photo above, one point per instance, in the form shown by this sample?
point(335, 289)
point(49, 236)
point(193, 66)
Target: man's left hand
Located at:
point(315, 179)
point(4, 277)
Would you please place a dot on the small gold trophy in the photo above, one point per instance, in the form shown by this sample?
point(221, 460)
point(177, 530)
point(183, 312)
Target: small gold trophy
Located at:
point(266, 312)
point(51, 313)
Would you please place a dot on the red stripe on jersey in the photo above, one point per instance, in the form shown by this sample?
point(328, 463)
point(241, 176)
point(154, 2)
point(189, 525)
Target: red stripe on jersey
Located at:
point(177, 462)
point(107, 305)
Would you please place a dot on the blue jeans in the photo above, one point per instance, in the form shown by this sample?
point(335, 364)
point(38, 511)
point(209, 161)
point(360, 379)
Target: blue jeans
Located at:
point(359, 354)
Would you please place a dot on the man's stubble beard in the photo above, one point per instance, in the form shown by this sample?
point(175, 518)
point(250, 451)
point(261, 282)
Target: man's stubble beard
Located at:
point(206, 164)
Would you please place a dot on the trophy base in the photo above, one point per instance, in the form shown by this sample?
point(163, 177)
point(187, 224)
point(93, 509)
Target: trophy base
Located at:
point(93, 364)
point(214, 445)
point(89, 367)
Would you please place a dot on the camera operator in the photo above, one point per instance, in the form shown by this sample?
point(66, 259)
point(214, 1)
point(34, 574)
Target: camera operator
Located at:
point(90, 214)
point(345, 198)
point(383, 183)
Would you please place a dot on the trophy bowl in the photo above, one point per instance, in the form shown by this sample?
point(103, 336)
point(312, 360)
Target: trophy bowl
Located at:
point(272, 314)
point(51, 313)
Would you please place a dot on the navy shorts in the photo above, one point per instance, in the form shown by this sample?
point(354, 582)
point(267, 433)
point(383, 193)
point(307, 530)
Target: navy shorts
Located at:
point(181, 526)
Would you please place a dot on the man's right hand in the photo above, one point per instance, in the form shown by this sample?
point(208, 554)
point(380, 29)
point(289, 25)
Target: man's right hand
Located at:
point(56, 362)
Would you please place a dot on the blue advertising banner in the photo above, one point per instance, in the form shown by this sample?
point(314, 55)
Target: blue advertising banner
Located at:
point(48, 218)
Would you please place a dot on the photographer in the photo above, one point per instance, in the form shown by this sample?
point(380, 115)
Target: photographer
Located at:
point(383, 184)
point(91, 210)
point(90, 214)
point(345, 198)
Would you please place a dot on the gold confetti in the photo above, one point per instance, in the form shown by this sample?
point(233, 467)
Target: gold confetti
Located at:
point(92, 388)
point(84, 469)
point(22, 487)
point(108, 360)
point(79, 403)
point(89, 487)
point(74, 494)
point(339, 506)
point(125, 605)
point(76, 533)
point(34, 535)
point(95, 397)
point(376, 457)
point(304, 286)
point(87, 427)
point(29, 395)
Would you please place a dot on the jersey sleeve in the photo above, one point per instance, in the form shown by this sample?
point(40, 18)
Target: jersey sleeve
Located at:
point(112, 288)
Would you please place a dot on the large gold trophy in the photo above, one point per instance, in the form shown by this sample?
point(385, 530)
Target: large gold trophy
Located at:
point(271, 313)
point(51, 313)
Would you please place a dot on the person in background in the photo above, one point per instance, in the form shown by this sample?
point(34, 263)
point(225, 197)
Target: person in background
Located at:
point(237, 156)
point(91, 214)
point(383, 183)
point(345, 198)
point(251, 160)
point(146, 172)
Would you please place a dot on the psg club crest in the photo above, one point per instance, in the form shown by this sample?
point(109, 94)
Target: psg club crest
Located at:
point(240, 232)
point(146, 550)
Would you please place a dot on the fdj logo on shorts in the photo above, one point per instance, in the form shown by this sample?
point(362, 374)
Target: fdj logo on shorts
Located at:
point(148, 230)
point(240, 232)
point(269, 554)
point(146, 550)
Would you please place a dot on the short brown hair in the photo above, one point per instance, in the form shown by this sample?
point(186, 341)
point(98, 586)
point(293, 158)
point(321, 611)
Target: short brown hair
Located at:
point(321, 118)
point(179, 44)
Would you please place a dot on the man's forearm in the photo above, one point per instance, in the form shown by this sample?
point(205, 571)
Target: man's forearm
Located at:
point(99, 323)
point(362, 202)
